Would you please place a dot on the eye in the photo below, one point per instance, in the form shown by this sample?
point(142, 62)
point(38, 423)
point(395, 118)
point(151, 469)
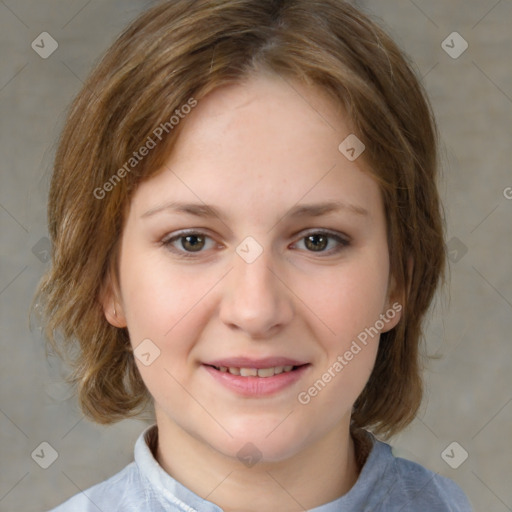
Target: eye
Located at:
point(187, 243)
point(324, 242)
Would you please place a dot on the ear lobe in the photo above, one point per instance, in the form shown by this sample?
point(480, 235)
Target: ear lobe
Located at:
point(112, 307)
point(396, 294)
point(396, 298)
point(114, 315)
point(391, 316)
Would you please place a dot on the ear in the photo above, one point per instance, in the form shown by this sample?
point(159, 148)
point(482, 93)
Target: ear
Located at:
point(111, 302)
point(396, 299)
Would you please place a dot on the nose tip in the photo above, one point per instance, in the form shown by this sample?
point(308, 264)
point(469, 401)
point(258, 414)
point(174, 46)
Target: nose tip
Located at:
point(254, 300)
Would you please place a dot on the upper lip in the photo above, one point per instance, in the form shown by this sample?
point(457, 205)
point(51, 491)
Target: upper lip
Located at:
point(247, 362)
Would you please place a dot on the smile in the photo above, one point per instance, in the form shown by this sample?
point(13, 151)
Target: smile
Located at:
point(256, 382)
point(256, 372)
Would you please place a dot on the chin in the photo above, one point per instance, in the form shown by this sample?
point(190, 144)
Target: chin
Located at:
point(269, 440)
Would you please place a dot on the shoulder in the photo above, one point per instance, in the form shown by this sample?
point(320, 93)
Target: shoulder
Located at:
point(122, 492)
point(414, 487)
point(141, 486)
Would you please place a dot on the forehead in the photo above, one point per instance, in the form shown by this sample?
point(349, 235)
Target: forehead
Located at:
point(280, 111)
point(265, 139)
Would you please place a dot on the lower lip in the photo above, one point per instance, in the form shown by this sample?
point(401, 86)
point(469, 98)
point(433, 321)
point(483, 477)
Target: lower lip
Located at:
point(257, 386)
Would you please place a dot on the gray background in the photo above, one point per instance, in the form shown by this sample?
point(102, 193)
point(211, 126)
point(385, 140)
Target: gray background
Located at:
point(469, 394)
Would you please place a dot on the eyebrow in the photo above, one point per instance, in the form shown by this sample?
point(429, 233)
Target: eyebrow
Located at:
point(305, 210)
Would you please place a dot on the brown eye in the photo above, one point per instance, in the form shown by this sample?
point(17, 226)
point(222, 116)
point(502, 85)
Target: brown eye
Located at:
point(192, 243)
point(189, 244)
point(325, 243)
point(316, 242)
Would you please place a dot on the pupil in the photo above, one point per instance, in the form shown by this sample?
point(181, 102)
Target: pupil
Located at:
point(192, 242)
point(316, 242)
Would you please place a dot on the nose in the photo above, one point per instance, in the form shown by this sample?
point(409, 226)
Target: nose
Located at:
point(255, 300)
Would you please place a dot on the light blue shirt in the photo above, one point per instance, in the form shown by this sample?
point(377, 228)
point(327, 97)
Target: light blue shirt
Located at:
point(385, 484)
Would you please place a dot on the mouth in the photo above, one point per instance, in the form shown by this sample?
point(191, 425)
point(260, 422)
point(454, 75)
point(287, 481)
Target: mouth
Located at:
point(264, 373)
point(249, 381)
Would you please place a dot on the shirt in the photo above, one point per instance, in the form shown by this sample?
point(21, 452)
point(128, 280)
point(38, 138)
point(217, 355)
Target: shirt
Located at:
point(386, 484)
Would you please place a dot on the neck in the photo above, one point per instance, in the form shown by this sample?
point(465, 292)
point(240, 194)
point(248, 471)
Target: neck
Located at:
point(320, 473)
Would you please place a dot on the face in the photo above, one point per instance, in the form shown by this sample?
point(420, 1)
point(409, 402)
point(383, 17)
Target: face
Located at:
point(259, 245)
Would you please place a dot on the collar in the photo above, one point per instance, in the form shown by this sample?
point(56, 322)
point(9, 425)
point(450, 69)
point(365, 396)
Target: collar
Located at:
point(161, 486)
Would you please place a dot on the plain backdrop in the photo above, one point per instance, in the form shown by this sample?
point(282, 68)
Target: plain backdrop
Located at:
point(469, 395)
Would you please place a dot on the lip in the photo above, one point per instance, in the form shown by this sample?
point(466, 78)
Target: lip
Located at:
point(247, 362)
point(257, 386)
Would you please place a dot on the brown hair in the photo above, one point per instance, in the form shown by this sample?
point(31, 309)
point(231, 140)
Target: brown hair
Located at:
point(184, 49)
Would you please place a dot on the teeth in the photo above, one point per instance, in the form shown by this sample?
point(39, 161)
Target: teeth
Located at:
point(266, 372)
point(248, 372)
point(255, 372)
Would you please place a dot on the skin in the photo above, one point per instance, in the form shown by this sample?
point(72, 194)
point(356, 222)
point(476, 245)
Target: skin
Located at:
point(254, 151)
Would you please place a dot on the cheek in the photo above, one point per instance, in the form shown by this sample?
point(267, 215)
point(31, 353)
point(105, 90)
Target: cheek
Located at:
point(165, 305)
point(168, 304)
point(157, 296)
point(347, 298)
point(348, 301)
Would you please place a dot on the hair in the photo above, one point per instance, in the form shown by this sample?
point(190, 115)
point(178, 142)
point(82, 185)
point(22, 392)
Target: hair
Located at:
point(181, 50)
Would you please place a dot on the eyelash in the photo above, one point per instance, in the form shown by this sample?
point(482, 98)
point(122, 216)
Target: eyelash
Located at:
point(168, 242)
